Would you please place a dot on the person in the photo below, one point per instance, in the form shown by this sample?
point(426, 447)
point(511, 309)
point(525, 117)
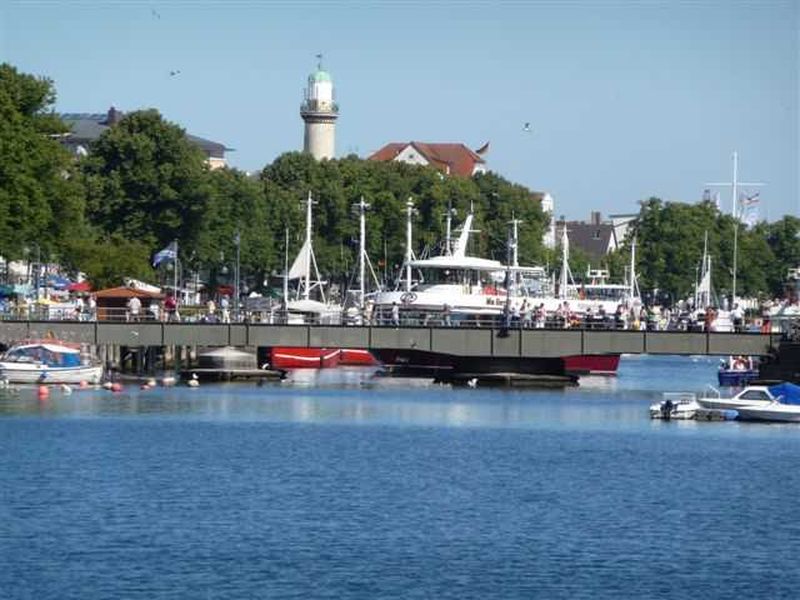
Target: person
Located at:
point(92, 307)
point(154, 309)
point(738, 318)
point(134, 308)
point(541, 317)
point(526, 313)
point(211, 308)
point(171, 308)
point(446, 312)
point(79, 308)
point(224, 304)
point(395, 314)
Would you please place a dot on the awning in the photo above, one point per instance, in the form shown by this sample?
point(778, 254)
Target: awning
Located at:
point(80, 286)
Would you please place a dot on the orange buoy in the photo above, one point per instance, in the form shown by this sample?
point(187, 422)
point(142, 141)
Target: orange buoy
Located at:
point(83, 385)
point(116, 387)
point(43, 392)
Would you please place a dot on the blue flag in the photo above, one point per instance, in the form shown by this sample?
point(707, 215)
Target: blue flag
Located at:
point(166, 255)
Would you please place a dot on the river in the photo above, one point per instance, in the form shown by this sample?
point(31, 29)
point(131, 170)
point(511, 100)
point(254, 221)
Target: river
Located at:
point(335, 486)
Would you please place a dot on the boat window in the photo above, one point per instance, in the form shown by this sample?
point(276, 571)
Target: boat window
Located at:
point(754, 395)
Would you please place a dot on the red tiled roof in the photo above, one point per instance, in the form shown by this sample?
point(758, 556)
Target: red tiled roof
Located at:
point(455, 159)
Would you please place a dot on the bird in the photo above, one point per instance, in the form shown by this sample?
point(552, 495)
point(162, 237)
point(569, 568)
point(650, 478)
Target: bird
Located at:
point(527, 127)
point(193, 382)
point(473, 382)
point(174, 73)
point(66, 389)
point(154, 13)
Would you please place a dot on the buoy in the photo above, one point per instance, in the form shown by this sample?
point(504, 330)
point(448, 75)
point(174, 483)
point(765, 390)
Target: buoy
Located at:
point(43, 392)
point(116, 387)
point(168, 381)
point(83, 384)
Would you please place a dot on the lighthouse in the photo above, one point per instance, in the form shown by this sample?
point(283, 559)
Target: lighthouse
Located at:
point(319, 112)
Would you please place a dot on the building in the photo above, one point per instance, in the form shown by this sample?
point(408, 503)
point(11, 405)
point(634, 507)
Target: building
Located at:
point(85, 128)
point(450, 159)
point(595, 238)
point(319, 112)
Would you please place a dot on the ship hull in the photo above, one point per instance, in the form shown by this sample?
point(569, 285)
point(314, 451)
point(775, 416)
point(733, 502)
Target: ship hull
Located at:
point(284, 357)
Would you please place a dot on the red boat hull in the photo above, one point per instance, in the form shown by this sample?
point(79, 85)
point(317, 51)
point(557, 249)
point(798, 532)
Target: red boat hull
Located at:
point(591, 364)
point(284, 357)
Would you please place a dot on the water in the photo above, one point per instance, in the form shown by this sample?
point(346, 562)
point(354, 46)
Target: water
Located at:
point(318, 490)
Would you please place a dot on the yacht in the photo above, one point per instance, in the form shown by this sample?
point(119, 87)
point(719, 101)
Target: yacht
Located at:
point(783, 408)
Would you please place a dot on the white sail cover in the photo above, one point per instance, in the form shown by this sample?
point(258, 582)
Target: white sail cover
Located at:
point(301, 264)
point(460, 248)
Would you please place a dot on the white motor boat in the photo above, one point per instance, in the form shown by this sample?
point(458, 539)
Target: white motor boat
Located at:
point(48, 361)
point(675, 406)
point(784, 408)
point(754, 395)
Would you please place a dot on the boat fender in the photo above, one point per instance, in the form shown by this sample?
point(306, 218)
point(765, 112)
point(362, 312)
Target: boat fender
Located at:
point(43, 392)
point(116, 387)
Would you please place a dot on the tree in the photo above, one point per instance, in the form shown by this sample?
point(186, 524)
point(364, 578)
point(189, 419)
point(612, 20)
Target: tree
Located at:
point(41, 199)
point(146, 182)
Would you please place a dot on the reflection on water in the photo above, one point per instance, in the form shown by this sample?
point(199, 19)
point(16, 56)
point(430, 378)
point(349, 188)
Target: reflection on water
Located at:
point(356, 396)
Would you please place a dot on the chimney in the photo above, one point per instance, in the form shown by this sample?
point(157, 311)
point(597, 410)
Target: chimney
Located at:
point(113, 117)
point(595, 217)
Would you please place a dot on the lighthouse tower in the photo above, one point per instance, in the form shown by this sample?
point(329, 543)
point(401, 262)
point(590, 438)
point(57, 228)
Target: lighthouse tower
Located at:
point(319, 112)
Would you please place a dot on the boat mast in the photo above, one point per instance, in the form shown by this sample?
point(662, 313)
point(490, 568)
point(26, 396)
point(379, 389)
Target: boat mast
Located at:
point(562, 288)
point(448, 234)
point(734, 185)
point(286, 270)
point(309, 251)
point(362, 250)
point(409, 216)
point(633, 282)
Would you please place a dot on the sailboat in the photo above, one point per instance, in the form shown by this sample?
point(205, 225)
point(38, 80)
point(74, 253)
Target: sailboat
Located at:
point(720, 320)
point(308, 305)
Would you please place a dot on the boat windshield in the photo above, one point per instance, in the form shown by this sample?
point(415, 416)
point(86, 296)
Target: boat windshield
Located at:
point(42, 355)
point(616, 293)
point(455, 277)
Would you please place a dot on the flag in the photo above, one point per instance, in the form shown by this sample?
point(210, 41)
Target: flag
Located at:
point(748, 212)
point(170, 253)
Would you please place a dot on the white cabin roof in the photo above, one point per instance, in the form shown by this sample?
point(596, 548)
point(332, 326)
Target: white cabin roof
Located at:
point(472, 263)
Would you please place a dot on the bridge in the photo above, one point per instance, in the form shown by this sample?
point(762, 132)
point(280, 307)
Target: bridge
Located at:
point(457, 341)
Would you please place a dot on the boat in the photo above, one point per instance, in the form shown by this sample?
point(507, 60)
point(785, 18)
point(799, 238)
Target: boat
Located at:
point(783, 408)
point(675, 406)
point(737, 371)
point(683, 406)
point(48, 361)
point(753, 395)
point(459, 290)
point(302, 308)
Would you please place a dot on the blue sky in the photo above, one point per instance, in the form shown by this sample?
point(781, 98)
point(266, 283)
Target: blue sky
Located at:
point(626, 99)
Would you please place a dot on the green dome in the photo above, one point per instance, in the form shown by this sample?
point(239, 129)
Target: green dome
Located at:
point(319, 76)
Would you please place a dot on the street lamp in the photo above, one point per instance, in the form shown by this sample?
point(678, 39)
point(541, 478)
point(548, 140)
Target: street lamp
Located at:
point(237, 239)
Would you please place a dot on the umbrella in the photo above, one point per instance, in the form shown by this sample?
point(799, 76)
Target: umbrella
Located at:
point(80, 286)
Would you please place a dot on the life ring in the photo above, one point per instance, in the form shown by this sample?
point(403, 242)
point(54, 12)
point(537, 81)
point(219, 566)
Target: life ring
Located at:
point(408, 298)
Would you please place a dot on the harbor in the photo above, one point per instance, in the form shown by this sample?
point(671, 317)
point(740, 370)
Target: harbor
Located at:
point(328, 468)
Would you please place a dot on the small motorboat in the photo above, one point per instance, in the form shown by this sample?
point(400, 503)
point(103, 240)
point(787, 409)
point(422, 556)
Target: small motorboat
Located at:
point(753, 395)
point(785, 408)
point(737, 371)
point(683, 406)
point(675, 406)
point(48, 361)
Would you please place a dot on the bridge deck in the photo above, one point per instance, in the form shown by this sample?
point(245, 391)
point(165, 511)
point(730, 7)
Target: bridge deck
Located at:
point(458, 341)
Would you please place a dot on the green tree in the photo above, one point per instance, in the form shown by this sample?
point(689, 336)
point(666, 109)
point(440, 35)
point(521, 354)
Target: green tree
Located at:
point(146, 182)
point(41, 200)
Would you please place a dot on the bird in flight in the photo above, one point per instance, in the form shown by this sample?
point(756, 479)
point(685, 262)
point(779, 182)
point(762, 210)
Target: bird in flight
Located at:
point(154, 13)
point(173, 73)
point(526, 127)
